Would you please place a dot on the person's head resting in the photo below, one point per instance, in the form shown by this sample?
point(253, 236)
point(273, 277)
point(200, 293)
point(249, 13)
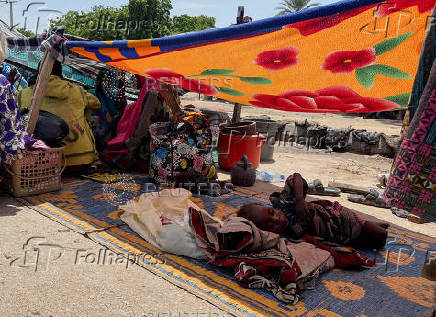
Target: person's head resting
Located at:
point(264, 217)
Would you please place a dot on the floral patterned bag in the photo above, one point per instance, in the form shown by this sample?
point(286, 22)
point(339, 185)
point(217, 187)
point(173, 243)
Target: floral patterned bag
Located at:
point(182, 148)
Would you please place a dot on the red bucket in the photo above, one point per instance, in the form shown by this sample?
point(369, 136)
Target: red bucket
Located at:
point(231, 147)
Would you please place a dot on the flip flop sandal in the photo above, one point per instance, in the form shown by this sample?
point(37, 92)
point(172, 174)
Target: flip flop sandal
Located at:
point(373, 198)
point(383, 178)
point(103, 177)
point(317, 188)
point(400, 212)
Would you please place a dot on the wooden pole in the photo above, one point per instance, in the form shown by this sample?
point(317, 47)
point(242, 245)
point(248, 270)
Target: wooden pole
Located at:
point(237, 107)
point(240, 16)
point(39, 91)
point(236, 113)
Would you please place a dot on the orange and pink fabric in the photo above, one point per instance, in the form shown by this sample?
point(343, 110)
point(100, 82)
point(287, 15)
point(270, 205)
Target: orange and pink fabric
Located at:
point(350, 56)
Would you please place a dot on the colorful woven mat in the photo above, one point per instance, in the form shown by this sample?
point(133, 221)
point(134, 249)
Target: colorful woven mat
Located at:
point(392, 288)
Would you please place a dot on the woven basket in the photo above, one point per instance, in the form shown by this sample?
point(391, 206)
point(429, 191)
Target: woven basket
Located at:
point(37, 172)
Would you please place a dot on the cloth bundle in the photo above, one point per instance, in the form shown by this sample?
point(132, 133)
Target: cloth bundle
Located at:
point(50, 128)
point(182, 148)
point(259, 259)
point(162, 219)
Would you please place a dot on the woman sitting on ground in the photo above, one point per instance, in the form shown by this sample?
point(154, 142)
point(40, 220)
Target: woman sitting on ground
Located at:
point(294, 217)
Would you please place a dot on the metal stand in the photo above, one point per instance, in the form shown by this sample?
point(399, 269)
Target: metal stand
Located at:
point(237, 108)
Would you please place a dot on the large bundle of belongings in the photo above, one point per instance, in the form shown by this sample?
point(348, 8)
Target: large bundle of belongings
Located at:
point(155, 136)
point(339, 140)
point(98, 124)
point(30, 150)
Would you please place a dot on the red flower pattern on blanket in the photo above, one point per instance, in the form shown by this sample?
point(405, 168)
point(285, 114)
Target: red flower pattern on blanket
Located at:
point(390, 6)
point(335, 99)
point(175, 79)
point(278, 59)
point(309, 27)
point(346, 61)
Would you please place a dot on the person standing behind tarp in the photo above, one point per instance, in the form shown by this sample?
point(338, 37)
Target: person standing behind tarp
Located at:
point(17, 80)
point(73, 104)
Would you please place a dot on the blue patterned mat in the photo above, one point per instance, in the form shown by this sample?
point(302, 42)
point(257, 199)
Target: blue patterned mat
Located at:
point(392, 288)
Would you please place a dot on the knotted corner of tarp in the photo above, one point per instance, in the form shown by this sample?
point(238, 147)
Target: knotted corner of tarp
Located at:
point(54, 42)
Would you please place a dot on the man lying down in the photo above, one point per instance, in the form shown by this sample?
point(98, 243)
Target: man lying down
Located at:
point(265, 247)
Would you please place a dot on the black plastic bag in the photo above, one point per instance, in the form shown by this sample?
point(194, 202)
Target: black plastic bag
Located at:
point(50, 128)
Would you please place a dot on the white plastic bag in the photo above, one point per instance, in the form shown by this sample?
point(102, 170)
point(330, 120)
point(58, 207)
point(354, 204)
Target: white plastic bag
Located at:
point(145, 215)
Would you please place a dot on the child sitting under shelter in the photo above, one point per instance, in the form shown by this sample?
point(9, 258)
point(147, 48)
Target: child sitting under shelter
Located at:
point(294, 217)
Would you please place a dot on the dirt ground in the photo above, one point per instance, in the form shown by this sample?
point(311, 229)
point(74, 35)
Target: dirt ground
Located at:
point(356, 169)
point(347, 168)
point(67, 288)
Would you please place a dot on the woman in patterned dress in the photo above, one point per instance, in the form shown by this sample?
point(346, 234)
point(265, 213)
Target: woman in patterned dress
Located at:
point(13, 137)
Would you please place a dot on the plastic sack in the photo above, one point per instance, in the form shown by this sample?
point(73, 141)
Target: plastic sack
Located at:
point(161, 218)
point(49, 128)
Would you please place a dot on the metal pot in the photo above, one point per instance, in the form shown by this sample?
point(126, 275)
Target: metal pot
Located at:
point(243, 174)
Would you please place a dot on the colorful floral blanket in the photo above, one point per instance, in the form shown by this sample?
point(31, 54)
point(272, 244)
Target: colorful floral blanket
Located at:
point(350, 56)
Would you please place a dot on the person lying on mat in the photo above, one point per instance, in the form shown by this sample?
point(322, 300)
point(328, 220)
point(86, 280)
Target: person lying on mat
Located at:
point(294, 217)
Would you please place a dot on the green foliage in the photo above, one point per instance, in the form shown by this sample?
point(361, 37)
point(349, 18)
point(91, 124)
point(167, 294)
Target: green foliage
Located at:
point(140, 19)
point(291, 6)
point(152, 17)
point(26, 33)
point(101, 23)
point(185, 23)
